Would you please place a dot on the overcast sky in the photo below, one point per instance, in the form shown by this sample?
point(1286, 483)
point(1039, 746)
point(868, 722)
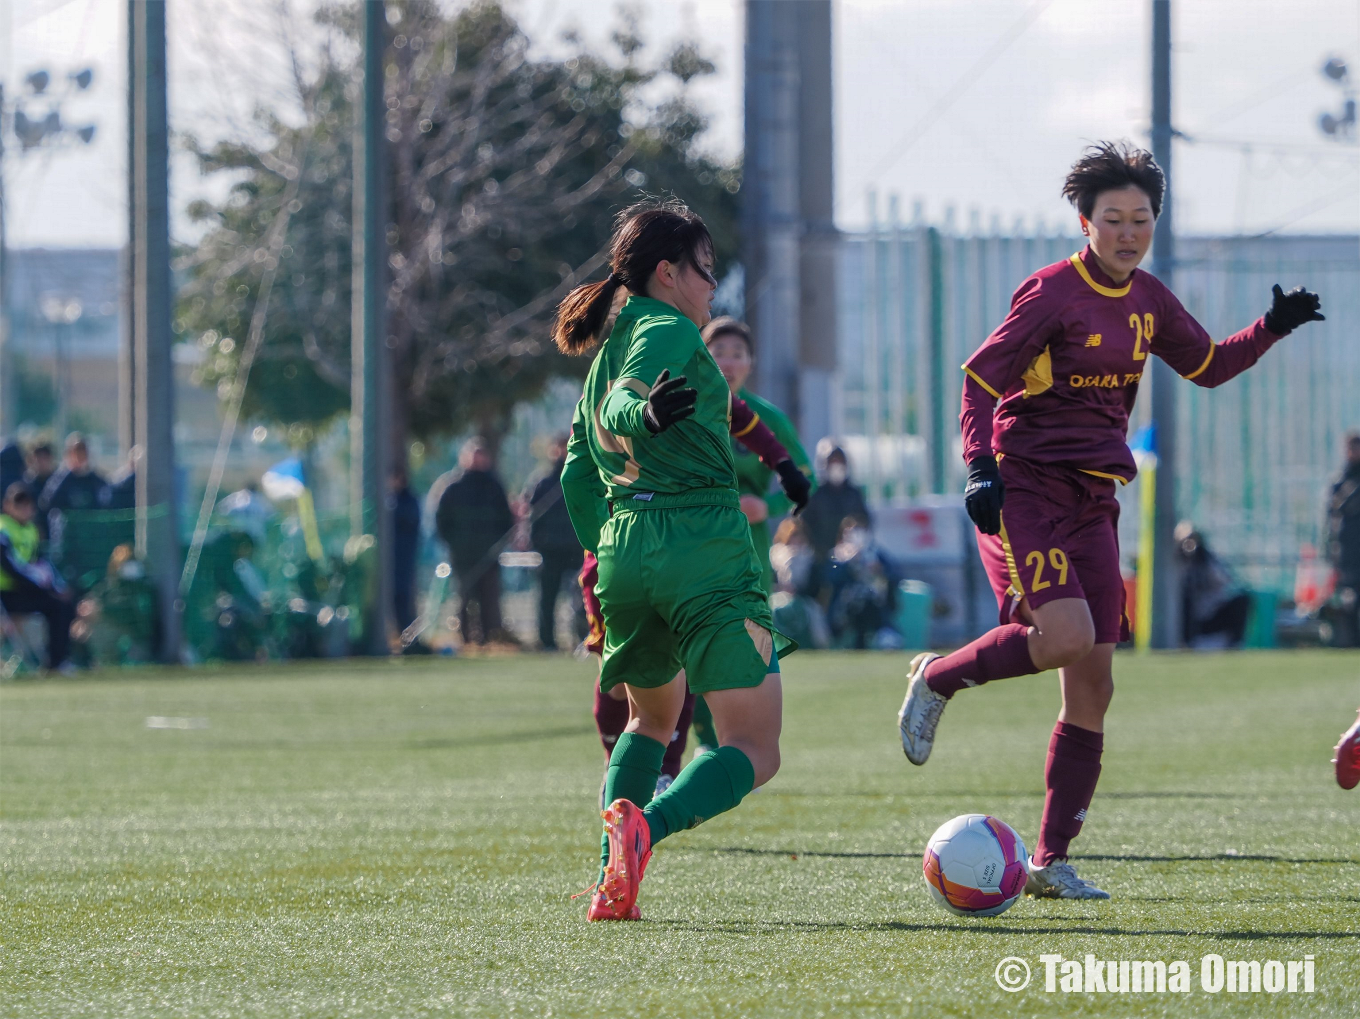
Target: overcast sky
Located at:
point(977, 105)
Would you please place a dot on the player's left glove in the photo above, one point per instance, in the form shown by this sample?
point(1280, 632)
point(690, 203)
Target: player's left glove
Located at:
point(667, 402)
point(984, 494)
point(794, 483)
point(1289, 311)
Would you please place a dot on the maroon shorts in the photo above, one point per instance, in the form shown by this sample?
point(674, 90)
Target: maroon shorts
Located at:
point(1059, 539)
point(588, 578)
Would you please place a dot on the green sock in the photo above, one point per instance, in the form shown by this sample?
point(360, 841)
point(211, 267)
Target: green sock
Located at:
point(704, 733)
point(634, 767)
point(713, 782)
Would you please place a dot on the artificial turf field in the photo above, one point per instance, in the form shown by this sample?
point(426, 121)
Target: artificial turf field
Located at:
point(400, 839)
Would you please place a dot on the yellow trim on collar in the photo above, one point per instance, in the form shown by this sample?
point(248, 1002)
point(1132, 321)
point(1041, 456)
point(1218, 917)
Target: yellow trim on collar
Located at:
point(1080, 266)
point(1200, 370)
point(979, 380)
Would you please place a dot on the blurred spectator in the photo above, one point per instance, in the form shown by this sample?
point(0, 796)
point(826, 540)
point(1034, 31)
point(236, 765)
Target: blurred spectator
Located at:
point(29, 585)
point(1343, 546)
point(835, 499)
point(474, 518)
point(42, 464)
point(11, 465)
point(405, 511)
point(1214, 607)
point(552, 537)
point(247, 511)
point(796, 612)
point(75, 486)
point(863, 591)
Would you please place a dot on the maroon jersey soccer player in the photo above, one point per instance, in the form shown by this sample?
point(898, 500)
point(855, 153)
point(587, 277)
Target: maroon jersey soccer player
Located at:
point(1046, 405)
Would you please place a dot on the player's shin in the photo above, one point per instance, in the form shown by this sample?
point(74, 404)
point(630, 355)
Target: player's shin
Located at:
point(998, 654)
point(674, 760)
point(611, 718)
point(633, 770)
point(1070, 776)
point(704, 732)
point(713, 783)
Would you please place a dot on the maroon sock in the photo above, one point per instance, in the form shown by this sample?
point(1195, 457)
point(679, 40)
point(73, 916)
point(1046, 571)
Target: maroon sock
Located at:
point(611, 718)
point(997, 654)
point(674, 760)
point(1071, 774)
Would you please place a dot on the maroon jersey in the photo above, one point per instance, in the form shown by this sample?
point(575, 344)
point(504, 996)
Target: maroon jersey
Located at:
point(1066, 363)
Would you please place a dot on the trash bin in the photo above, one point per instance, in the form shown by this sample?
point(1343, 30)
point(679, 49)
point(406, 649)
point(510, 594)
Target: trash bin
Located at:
point(915, 600)
point(1261, 621)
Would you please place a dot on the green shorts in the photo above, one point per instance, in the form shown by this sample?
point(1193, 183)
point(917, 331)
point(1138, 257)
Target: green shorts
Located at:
point(680, 588)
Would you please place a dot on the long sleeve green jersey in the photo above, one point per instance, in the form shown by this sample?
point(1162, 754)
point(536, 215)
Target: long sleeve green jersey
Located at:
point(611, 454)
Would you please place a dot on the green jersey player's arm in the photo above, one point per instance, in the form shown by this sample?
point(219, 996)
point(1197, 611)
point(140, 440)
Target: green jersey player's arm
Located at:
point(664, 344)
point(582, 488)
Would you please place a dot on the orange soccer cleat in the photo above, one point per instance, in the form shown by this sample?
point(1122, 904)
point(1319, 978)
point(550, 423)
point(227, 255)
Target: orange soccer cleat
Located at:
point(1347, 759)
point(630, 847)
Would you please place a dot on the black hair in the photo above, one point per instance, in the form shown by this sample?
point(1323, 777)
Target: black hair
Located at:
point(645, 234)
point(1111, 166)
point(18, 492)
point(726, 325)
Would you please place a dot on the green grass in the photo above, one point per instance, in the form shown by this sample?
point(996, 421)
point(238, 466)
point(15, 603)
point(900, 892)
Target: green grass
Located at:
point(400, 839)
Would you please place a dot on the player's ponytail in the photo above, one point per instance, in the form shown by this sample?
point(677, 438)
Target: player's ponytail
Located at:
point(645, 234)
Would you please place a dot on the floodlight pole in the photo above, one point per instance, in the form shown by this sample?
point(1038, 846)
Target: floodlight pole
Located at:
point(787, 202)
point(9, 417)
point(369, 379)
point(157, 511)
point(1166, 600)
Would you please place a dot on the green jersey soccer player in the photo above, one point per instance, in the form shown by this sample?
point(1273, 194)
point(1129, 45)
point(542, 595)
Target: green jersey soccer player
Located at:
point(650, 484)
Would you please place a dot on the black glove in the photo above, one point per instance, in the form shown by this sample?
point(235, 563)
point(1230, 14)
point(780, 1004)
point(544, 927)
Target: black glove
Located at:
point(1289, 311)
point(984, 494)
point(667, 403)
point(794, 483)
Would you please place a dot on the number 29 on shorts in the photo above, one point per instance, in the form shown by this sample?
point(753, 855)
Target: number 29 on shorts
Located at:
point(1057, 558)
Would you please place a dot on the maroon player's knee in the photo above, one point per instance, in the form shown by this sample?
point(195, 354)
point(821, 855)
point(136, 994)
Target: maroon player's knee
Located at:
point(1069, 643)
point(1066, 633)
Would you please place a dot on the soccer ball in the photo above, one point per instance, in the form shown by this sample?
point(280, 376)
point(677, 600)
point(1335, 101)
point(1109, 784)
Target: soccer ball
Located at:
point(975, 865)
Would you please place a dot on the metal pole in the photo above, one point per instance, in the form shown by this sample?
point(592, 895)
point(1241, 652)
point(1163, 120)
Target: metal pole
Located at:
point(771, 200)
point(369, 375)
point(940, 416)
point(1165, 574)
point(9, 418)
point(817, 263)
point(157, 511)
point(127, 349)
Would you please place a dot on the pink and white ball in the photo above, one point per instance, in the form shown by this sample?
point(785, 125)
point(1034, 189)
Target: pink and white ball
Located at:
point(975, 866)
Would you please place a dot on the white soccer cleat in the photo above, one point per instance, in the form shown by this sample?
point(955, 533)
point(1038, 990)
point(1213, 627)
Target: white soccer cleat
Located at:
point(1059, 881)
point(920, 712)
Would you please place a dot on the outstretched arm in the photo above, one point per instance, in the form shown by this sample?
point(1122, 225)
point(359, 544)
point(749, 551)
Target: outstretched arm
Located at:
point(759, 438)
point(1185, 345)
point(755, 435)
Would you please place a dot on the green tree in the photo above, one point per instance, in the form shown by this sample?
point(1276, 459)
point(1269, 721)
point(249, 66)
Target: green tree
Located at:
point(505, 175)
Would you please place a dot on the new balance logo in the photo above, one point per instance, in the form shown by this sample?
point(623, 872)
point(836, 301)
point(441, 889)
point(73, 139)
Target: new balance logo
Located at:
point(1080, 815)
point(1093, 340)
